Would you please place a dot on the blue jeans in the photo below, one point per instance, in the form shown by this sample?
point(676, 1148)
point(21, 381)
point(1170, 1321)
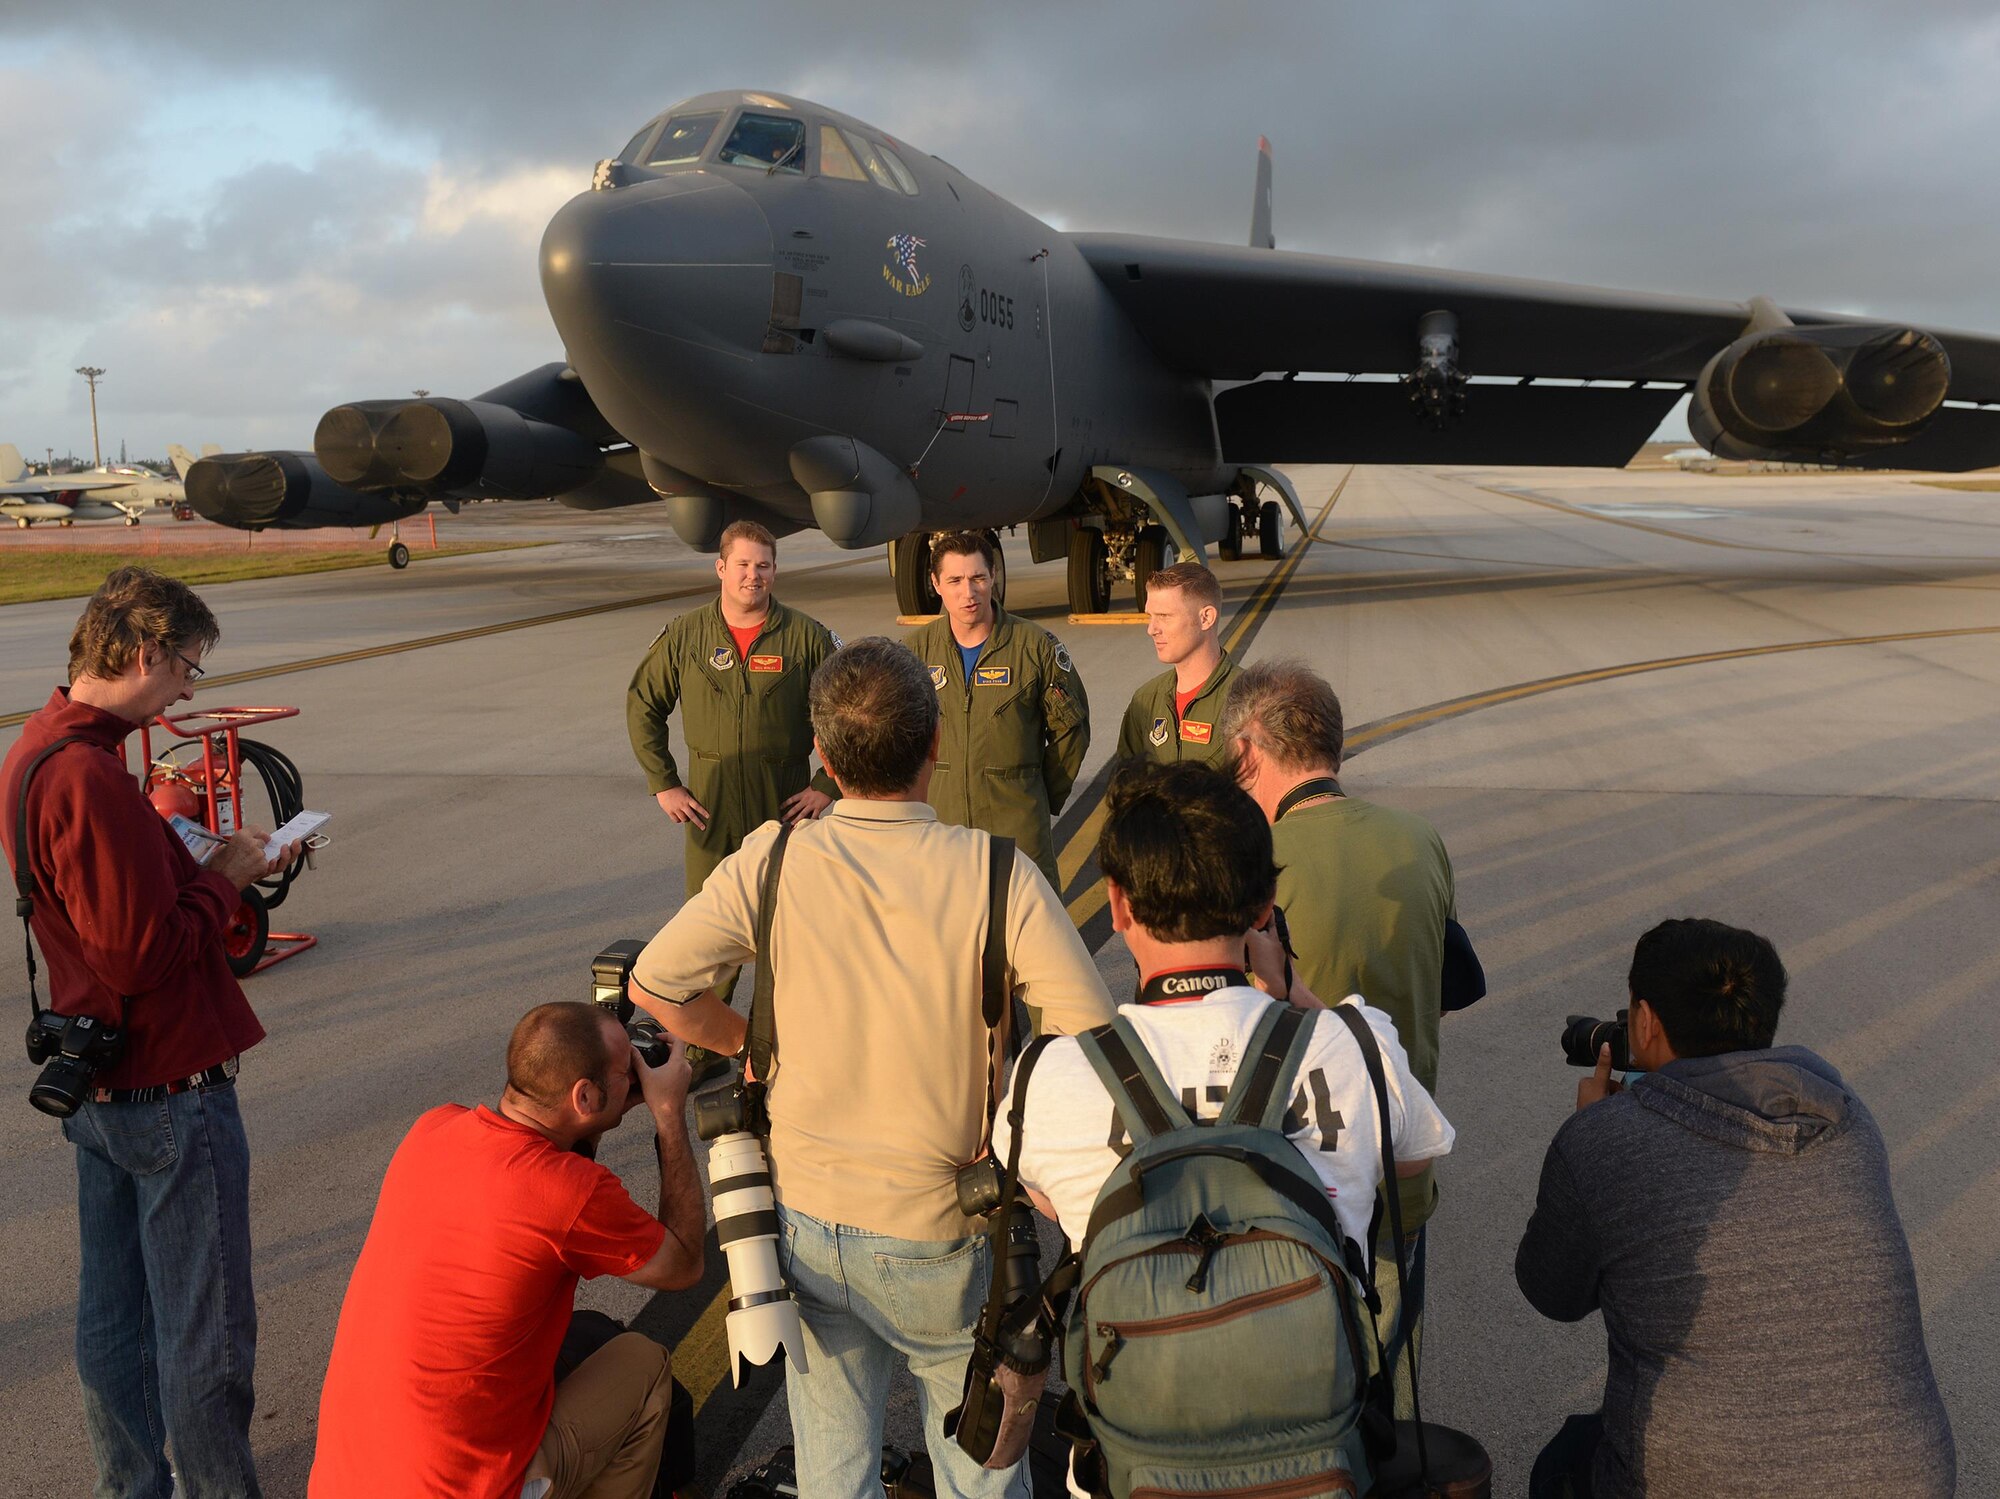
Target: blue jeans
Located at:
point(868, 1300)
point(166, 1330)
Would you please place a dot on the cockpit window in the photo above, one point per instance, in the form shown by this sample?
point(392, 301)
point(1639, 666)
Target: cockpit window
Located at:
point(901, 173)
point(835, 159)
point(768, 141)
point(684, 139)
point(631, 151)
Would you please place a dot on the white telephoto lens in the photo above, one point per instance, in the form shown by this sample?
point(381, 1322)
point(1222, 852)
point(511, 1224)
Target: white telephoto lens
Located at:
point(763, 1318)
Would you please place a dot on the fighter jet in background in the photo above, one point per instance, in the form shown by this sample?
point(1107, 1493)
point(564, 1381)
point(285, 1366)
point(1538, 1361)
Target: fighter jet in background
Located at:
point(111, 493)
point(775, 311)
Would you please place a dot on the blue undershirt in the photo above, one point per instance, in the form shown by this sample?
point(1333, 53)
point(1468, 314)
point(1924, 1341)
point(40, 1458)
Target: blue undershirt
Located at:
point(969, 655)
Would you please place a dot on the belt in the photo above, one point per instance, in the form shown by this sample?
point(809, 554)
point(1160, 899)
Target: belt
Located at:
point(208, 1077)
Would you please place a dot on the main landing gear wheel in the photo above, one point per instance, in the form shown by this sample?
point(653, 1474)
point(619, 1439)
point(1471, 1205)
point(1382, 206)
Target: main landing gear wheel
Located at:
point(1155, 550)
point(1270, 540)
point(249, 930)
point(1230, 548)
point(910, 562)
point(1089, 571)
point(23, 522)
point(999, 569)
point(131, 520)
point(399, 555)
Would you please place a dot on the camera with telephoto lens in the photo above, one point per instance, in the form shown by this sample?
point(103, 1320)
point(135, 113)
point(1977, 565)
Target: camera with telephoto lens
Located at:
point(73, 1050)
point(609, 971)
point(1584, 1035)
point(1014, 1342)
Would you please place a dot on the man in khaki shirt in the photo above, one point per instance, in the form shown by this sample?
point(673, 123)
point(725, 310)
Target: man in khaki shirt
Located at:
point(878, 1091)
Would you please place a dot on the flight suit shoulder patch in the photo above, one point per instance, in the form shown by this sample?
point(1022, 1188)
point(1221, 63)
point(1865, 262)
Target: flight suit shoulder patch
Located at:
point(991, 676)
point(1062, 652)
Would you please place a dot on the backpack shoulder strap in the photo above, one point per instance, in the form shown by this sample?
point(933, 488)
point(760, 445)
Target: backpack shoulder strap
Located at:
point(1132, 1079)
point(1263, 1087)
point(994, 987)
point(763, 1040)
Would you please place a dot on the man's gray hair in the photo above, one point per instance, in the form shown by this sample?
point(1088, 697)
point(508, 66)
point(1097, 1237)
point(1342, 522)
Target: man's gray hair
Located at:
point(1289, 712)
point(875, 713)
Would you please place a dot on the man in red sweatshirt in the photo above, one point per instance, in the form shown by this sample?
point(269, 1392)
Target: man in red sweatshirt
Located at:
point(130, 928)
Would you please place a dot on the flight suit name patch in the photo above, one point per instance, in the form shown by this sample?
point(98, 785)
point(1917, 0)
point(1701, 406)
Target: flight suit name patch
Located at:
point(767, 663)
point(722, 658)
point(992, 676)
point(1159, 734)
point(1197, 733)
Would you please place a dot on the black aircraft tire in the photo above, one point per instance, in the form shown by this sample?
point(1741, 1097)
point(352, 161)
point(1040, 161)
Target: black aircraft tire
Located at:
point(1089, 572)
point(1230, 548)
point(1270, 538)
point(999, 569)
point(399, 555)
point(1155, 551)
point(911, 563)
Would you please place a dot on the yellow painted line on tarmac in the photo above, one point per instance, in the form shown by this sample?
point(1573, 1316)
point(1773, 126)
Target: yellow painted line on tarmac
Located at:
point(701, 1358)
point(1404, 723)
point(1070, 860)
point(453, 637)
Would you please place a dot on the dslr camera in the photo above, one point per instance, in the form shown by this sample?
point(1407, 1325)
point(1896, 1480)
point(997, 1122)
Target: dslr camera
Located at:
point(72, 1049)
point(1584, 1035)
point(1012, 1346)
point(608, 972)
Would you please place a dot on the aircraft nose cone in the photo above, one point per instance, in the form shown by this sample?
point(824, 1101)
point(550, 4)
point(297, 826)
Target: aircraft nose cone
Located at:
point(687, 258)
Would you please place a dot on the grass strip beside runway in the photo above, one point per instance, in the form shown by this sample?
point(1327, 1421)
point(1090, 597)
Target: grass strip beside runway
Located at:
point(44, 573)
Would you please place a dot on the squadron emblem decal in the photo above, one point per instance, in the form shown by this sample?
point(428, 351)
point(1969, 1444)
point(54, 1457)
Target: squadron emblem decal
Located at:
point(722, 658)
point(903, 257)
point(966, 316)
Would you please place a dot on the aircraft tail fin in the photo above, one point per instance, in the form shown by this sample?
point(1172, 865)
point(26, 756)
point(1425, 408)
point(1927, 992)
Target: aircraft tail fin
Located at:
point(210, 449)
point(183, 460)
point(12, 468)
point(1260, 205)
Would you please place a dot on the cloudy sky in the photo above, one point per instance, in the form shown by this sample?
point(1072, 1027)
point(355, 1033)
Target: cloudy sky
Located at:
point(248, 213)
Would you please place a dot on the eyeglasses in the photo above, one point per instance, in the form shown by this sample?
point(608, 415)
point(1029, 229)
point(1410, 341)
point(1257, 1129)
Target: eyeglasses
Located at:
point(194, 672)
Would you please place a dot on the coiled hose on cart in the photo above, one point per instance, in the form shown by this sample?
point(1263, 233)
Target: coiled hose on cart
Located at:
point(285, 790)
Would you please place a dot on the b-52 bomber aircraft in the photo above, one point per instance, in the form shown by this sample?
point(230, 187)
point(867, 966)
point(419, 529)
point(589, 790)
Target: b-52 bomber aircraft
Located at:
point(775, 311)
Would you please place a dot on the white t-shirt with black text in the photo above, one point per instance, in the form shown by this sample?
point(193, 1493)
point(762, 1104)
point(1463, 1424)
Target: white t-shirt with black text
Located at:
point(1072, 1137)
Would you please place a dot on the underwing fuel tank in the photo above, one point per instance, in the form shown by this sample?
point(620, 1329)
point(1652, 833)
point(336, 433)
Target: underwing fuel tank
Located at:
point(462, 449)
point(284, 491)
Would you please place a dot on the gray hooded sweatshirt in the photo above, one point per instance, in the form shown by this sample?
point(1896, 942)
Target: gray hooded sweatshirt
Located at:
point(1731, 1217)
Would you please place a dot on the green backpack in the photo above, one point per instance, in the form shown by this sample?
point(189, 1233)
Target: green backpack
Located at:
point(1215, 1338)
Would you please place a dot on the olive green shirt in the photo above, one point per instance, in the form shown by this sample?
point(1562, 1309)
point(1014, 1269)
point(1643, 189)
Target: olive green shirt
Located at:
point(1366, 891)
point(1013, 738)
point(1153, 731)
point(748, 731)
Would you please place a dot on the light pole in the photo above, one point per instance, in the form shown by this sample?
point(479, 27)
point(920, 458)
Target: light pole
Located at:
point(90, 372)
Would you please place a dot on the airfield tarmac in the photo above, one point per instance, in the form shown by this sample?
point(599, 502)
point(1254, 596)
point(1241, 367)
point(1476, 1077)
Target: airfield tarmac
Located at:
point(1620, 697)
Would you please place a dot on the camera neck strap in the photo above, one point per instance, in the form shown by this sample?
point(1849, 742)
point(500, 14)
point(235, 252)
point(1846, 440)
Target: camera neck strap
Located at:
point(996, 990)
point(24, 864)
point(1306, 791)
point(762, 1043)
point(1010, 1184)
point(1391, 1192)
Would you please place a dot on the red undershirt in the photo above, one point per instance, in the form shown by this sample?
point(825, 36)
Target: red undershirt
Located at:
point(744, 638)
point(1182, 700)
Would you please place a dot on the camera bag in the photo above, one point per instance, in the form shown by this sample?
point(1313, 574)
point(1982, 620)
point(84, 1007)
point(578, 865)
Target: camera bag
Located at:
point(1214, 1342)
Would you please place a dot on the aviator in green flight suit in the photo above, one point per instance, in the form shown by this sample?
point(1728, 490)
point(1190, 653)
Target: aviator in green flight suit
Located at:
point(1013, 737)
point(748, 730)
point(1154, 732)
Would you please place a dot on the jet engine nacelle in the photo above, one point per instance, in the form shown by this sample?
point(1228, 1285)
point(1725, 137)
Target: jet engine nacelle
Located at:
point(1818, 392)
point(474, 450)
point(289, 491)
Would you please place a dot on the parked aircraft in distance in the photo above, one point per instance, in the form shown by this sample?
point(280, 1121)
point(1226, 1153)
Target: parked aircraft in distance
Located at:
point(110, 493)
point(775, 311)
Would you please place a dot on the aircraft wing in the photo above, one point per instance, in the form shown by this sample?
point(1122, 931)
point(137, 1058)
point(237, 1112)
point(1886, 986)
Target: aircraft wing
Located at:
point(1234, 312)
